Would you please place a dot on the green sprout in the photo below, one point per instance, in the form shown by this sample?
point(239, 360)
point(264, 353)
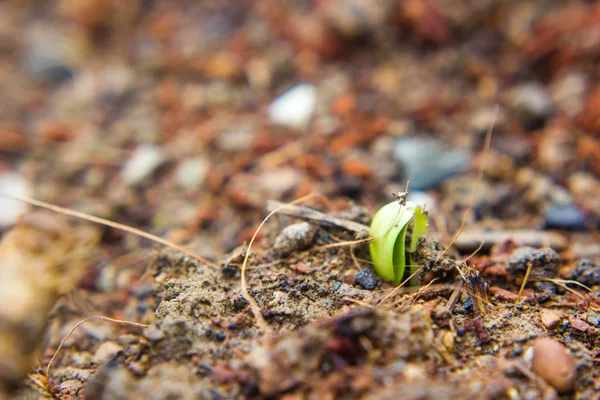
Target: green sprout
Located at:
point(389, 228)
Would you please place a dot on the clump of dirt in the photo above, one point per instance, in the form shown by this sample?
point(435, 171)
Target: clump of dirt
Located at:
point(329, 337)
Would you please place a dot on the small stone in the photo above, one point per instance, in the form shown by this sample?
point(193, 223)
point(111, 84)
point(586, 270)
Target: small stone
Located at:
point(106, 352)
point(580, 325)
point(295, 107)
point(302, 267)
point(553, 363)
point(587, 273)
point(532, 104)
point(11, 210)
point(566, 217)
point(426, 163)
point(593, 318)
point(294, 237)
point(191, 173)
point(549, 319)
point(50, 53)
point(544, 262)
point(143, 162)
point(366, 279)
point(154, 333)
point(70, 388)
point(236, 139)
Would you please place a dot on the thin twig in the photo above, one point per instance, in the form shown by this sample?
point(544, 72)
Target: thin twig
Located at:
point(397, 288)
point(311, 214)
point(529, 267)
point(115, 225)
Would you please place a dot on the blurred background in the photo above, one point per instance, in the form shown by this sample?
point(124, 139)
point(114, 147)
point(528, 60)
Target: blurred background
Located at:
point(184, 117)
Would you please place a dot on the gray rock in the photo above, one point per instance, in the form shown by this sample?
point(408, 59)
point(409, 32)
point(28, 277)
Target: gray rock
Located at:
point(544, 262)
point(294, 237)
point(426, 163)
point(366, 279)
point(586, 272)
point(566, 217)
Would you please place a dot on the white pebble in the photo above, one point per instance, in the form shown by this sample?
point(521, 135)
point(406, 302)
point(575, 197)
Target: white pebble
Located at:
point(11, 210)
point(295, 107)
point(143, 162)
point(190, 173)
point(106, 352)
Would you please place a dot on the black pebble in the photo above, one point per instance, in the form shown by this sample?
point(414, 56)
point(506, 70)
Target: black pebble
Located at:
point(366, 279)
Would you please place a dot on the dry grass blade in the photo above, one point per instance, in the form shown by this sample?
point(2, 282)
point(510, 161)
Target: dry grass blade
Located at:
point(111, 224)
point(256, 310)
point(397, 288)
point(117, 321)
point(522, 288)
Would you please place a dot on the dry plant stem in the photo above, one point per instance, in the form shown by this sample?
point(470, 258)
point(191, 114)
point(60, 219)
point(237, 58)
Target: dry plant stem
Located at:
point(309, 213)
point(111, 224)
point(397, 288)
point(524, 282)
point(486, 148)
point(562, 281)
point(256, 310)
point(117, 321)
point(454, 297)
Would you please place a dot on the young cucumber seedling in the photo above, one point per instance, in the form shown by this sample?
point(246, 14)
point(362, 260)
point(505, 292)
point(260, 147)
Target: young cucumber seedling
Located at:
point(389, 227)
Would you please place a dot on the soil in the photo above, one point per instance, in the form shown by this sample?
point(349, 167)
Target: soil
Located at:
point(85, 85)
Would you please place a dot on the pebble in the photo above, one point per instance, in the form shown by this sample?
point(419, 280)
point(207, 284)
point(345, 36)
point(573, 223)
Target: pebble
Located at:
point(236, 140)
point(593, 318)
point(532, 103)
point(294, 237)
point(11, 210)
point(366, 279)
point(587, 273)
point(295, 107)
point(549, 319)
point(567, 217)
point(49, 53)
point(154, 333)
point(426, 163)
point(143, 162)
point(106, 352)
point(191, 173)
point(580, 325)
point(553, 363)
point(544, 262)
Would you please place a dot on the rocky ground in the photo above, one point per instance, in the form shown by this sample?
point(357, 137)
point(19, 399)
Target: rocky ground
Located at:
point(184, 118)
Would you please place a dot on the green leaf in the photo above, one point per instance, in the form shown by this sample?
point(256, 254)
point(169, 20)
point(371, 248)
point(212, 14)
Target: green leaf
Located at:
point(388, 250)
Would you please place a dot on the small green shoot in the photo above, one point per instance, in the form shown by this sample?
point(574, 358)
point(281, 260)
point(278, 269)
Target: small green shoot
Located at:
point(389, 228)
